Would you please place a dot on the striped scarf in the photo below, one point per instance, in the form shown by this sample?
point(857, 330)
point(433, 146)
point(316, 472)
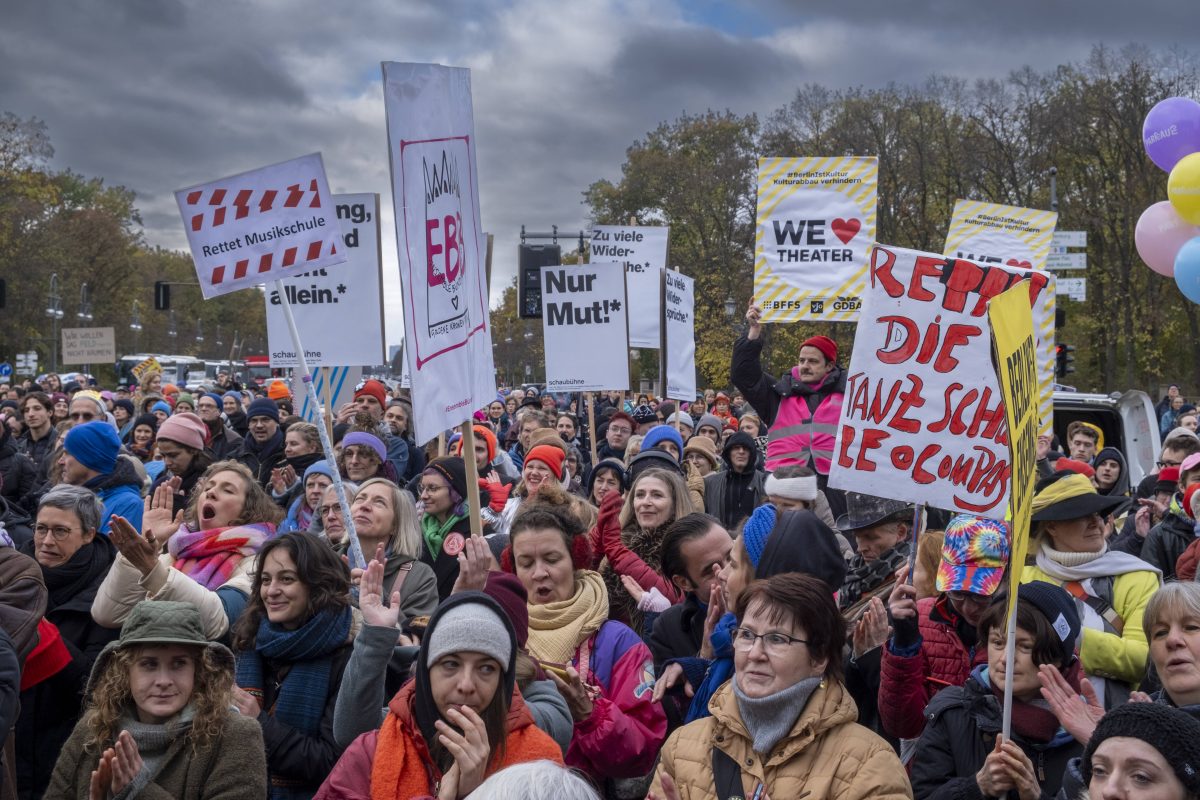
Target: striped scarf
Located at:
point(209, 557)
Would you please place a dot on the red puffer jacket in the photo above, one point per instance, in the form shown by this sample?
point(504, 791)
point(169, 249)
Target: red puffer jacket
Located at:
point(908, 683)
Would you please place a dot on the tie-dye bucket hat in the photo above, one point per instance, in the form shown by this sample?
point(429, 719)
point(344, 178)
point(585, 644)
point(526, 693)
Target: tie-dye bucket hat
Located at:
point(974, 555)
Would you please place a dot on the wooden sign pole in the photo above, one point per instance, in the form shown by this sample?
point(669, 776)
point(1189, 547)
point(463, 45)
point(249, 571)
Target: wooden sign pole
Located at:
point(468, 455)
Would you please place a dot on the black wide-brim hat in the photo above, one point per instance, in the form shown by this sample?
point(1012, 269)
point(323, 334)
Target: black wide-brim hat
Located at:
point(867, 511)
point(1072, 497)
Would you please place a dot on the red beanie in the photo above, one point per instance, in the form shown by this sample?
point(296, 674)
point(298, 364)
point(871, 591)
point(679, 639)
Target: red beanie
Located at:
point(1071, 465)
point(1188, 494)
point(827, 346)
point(552, 457)
point(507, 590)
point(481, 432)
point(374, 389)
point(48, 658)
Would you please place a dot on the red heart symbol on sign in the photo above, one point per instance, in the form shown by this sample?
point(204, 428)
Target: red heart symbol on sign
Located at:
point(1012, 262)
point(845, 229)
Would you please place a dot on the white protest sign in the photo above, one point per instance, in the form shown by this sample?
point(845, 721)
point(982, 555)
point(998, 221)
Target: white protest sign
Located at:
point(679, 308)
point(584, 327)
point(815, 221)
point(923, 417)
point(339, 312)
point(88, 345)
point(643, 251)
point(435, 188)
point(990, 233)
point(261, 225)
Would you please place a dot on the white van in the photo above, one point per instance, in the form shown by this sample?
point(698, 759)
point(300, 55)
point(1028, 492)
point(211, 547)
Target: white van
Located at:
point(1127, 420)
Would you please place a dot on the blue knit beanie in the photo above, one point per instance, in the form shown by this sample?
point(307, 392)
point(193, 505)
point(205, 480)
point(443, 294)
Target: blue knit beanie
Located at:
point(263, 407)
point(237, 397)
point(663, 433)
point(216, 398)
point(757, 530)
point(318, 468)
point(95, 445)
point(162, 406)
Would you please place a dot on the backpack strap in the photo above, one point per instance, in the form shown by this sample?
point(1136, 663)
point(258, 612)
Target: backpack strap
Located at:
point(727, 776)
point(1100, 605)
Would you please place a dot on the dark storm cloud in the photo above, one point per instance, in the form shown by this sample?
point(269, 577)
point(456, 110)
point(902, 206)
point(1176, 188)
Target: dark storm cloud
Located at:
point(157, 94)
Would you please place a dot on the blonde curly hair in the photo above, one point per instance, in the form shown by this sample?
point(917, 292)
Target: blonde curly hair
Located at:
point(111, 697)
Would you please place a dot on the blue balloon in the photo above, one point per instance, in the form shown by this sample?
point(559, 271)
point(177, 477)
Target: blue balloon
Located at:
point(1187, 269)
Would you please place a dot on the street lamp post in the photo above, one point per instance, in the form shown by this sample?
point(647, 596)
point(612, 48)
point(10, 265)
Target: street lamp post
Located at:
point(84, 314)
point(135, 325)
point(55, 313)
point(199, 333)
point(172, 329)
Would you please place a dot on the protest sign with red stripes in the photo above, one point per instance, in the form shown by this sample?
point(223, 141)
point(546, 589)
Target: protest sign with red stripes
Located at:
point(261, 225)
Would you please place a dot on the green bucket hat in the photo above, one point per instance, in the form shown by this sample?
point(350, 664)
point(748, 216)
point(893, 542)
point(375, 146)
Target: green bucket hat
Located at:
point(160, 622)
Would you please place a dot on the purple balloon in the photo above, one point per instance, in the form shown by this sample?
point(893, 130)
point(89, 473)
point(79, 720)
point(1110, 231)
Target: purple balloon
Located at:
point(1171, 131)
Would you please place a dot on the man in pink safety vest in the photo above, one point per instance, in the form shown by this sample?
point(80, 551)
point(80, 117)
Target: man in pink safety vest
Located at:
point(801, 408)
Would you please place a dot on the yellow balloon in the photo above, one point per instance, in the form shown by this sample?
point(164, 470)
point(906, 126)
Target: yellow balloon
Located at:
point(1183, 188)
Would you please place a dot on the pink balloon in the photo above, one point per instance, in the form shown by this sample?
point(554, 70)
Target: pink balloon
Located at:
point(1159, 234)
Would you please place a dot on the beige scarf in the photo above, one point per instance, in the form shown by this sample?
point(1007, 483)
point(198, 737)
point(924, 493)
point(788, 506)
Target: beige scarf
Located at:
point(557, 629)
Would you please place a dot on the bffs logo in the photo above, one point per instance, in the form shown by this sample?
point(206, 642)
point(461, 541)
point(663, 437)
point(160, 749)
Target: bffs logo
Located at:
point(441, 167)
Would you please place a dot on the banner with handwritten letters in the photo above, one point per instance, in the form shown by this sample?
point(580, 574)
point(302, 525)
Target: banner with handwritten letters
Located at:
point(261, 225)
point(815, 226)
point(88, 345)
point(339, 312)
point(643, 251)
point(1015, 345)
point(585, 327)
point(440, 242)
point(923, 416)
point(679, 334)
point(991, 233)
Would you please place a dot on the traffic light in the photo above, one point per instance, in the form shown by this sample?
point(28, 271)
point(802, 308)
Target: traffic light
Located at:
point(531, 259)
point(1064, 360)
point(162, 296)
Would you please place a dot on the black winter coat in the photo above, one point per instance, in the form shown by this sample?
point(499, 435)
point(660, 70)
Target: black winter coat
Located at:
point(961, 725)
point(225, 443)
point(50, 709)
point(17, 522)
point(261, 460)
point(678, 632)
point(293, 755)
point(18, 475)
point(187, 483)
point(39, 451)
point(1166, 542)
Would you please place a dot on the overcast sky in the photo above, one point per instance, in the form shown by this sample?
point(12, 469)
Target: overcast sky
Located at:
point(160, 94)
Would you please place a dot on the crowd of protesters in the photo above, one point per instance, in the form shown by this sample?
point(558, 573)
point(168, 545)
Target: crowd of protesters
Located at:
point(657, 600)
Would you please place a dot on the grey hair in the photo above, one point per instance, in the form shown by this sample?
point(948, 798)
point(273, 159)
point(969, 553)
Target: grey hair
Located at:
point(535, 780)
point(1175, 600)
point(100, 407)
point(405, 538)
point(83, 503)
